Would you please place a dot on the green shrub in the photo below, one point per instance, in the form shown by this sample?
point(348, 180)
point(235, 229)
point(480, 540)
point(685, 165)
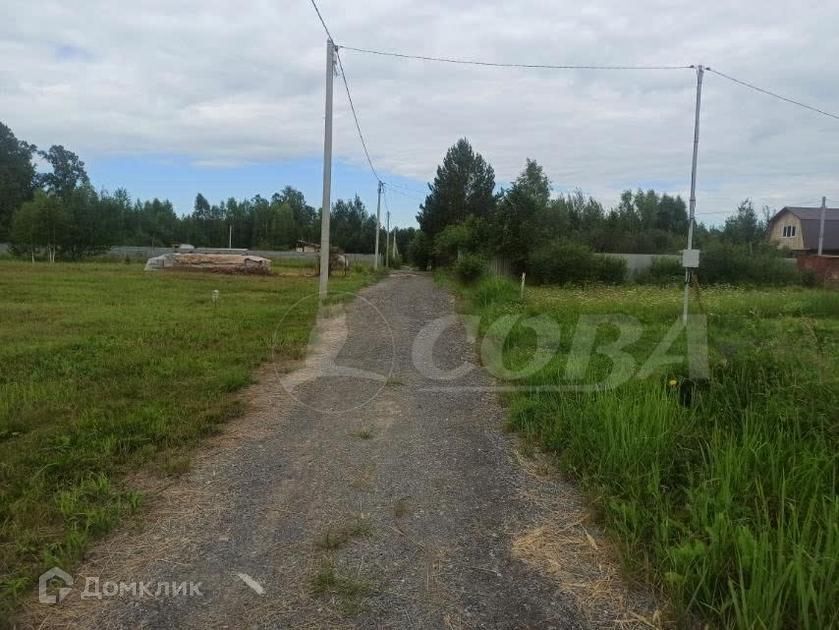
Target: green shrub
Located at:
point(469, 268)
point(419, 250)
point(809, 278)
point(561, 262)
point(494, 290)
point(609, 269)
point(662, 272)
point(449, 242)
point(726, 263)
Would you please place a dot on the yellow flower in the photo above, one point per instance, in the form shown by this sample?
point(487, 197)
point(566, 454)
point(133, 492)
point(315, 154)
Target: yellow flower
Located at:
point(673, 382)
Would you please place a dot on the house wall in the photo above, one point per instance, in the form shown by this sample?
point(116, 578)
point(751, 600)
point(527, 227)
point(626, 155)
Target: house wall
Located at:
point(776, 234)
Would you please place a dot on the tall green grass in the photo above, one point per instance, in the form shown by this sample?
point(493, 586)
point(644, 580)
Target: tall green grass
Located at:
point(105, 368)
point(728, 504)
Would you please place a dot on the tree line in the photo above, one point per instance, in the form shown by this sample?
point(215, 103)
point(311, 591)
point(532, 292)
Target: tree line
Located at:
point(59, 214)
point(465, 212)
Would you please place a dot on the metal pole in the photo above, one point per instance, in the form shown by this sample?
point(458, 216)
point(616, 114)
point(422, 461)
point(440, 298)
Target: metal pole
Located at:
point(821, 224)
point(230, 237)
point(378, 225)
point(327, 172)
point(387, 241)
point(700, 71)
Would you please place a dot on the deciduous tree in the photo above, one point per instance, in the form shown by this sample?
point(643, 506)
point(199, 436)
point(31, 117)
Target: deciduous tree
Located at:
point(17, 176)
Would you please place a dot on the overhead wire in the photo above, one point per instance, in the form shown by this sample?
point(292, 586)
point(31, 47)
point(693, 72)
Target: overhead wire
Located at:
point(757, 88)
point(408, 188)
point(347, 89)
point(384, 196)
point(355, 117)
point(416, 197)
point(475, 62)
point(323, 23)
point(495, 64)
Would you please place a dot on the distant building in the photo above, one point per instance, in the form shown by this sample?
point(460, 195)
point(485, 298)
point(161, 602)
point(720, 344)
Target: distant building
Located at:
point(797, 229)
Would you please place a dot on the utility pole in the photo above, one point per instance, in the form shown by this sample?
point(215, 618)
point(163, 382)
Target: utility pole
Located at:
point(378, 225)
point(821, 224)
point(230, 237)
point(687, 262)
point(327, 173)
point(387, 241)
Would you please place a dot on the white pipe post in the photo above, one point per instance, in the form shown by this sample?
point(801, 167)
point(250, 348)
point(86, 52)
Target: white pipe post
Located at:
point(821, 225)
point(378, 225)
point(395, 251)
point(327, 173)
point(387, 241)
point(700, 71)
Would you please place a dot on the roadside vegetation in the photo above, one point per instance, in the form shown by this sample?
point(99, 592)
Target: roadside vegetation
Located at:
point(468, 224)
point(107, 371)
point(722, 492)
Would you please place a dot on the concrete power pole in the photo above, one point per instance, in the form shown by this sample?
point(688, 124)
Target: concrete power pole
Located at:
point(821, 225)
point(378, 225)
point(687, 263)
point(387, 241)
point(327, 173)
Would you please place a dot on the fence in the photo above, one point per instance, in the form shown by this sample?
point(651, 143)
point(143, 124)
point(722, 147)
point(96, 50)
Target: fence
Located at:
point(500, 267)
point(133, 252)
point(635, 263)
point(825, 268)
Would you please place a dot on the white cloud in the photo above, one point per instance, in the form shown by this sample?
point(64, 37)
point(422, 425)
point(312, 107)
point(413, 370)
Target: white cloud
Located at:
point(226, 83)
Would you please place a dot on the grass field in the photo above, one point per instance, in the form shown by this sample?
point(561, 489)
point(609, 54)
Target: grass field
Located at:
point(105, 368)
point(727, 501)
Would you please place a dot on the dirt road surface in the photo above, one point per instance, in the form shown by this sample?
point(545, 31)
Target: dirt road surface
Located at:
point(354, 494)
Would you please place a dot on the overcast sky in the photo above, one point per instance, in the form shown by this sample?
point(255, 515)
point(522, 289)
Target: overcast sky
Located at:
point(169, 98)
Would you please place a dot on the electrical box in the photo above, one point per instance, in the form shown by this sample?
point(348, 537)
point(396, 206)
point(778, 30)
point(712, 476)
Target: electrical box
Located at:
point(690, 258)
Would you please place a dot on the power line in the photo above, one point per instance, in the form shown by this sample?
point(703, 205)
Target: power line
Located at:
point(349, 96)
point(387, 205)
point(407, 195)
point(320, 17)
point(772, 94)
point(355, 117)
point(408, 188)
point(493, 64)
point(384, 196)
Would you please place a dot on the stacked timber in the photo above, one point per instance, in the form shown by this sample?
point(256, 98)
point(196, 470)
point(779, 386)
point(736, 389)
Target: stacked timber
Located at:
point(214, 263)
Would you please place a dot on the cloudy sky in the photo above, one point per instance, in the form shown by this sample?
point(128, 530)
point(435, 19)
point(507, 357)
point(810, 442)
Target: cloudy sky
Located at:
point(171, 98)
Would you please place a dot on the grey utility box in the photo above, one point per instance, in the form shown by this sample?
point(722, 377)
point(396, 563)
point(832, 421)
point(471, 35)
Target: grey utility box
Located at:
point(690, 258)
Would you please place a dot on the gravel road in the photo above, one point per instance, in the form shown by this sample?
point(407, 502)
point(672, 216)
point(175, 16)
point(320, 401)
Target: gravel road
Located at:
point(365, 499)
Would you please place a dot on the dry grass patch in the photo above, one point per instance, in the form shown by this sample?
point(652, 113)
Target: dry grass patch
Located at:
point(336, 536)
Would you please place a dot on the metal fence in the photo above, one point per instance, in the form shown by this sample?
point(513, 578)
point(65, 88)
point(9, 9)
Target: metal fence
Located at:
point(635, 263)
